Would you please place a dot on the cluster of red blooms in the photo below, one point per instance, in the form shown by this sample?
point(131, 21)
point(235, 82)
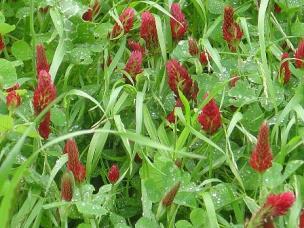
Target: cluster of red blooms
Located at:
point(134, 65)
point(45, 91)
point(194, 51)
point(285, 72)
point(13, 99)
point(113, 174)
point(299, 55)
point(74, 164)
point(67, 187)
point(261, 157)
point(232, 32)
point(127, 19)
point(276, 205)
point(169, 197)
point(91, 12)
point(135, 46)
point(178, 24)
point(210, 117)
point(2, 44)
point(148, 29)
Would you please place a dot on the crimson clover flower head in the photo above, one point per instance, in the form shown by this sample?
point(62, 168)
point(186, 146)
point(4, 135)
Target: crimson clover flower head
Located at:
point(261, 156)
point(232, 32)
point(134, 64)
point(279, 204)
point(127, 19)
point(13, 99)
point(193, 47)
point(178, 76)
point(285, 72)
point(277, 8)
point(210, 116)
point(169, 197)
point(113, 174)
point(148, 29)
point(204, 57)
point(44, 94)
point(299, 55)
point(135, 46)
point(179, 24)
point(67, 187)
point(88, 15)
point(234, 80)
point(41, 60)
point(74, 164)
point(2, 44)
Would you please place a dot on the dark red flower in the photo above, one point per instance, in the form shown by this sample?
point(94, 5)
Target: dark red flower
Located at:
point(135, 46)
point(67, 187)
point(134, 64)
point(204, 57)
point(179, 23)
point(2, 44)
point(277, 8)
point(74, 164)
point(169, 197)
point(126, 18)
point(13, 100)
point(279, 204)
point(178, 76)
point(41, 60)
point(261, 157)
point(88, 15)
point(193, 47)
point(171, 115)
point(285, 72)
point(44, 126)
point(44, 94)
point(148, 29)
point(234, 80)
point(232, 32)
point(301, 222)
point(299, 55)
point(210, 117)
point(113, 174)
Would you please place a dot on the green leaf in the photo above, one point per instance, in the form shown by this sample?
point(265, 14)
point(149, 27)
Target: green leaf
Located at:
point(6, 28)
point(145, 222)
point(58, 117)
point(183, 224)
point(216, 6)
point(21, 50)
point(8, 75)
point(6, 123)
point(87, 208)
point(210, 210)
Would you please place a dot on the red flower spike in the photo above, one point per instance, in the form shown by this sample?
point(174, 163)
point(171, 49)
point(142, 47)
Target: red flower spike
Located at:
point(67, 187)
point(148, 29)
point(135, 46)
point(13, 100)
point(113, 174)
point(126, 18)
point(178, 25)
point(2, 44)
point(301, 222)
point(41, 60)
point(44, 126)
point(210, 117)
point(74, 164)
point(234, 80)
point(193, 47)
point(279, 204)
point(285, 72)
point(88, 15)
point(178, 76)
point(204, 57)
point(277, 8)
point(299, 55)
point(44, 94)
point(96, 7)
point(171, 115)
point(261, 157)
point(169, 197)
point(232, 32)
point(134, 64)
